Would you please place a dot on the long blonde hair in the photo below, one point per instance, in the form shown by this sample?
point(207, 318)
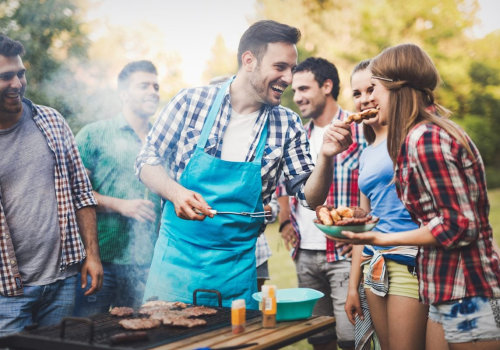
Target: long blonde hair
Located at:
point(411, 78)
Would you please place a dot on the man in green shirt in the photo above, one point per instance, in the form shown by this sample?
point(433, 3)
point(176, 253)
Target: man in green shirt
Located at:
point(127, 213)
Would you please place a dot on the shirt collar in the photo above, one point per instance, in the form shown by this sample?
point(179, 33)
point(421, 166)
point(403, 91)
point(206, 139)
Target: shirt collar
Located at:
point(340, 115)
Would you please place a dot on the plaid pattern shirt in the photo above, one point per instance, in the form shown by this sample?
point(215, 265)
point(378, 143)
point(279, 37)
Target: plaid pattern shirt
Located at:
point(444, 188)
point(344, 189)
point(73, 192)
point(174, 136)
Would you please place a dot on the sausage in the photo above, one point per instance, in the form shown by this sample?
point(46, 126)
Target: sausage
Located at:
point(128, 337)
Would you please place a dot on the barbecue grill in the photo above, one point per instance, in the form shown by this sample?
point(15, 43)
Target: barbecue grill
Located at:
point(100, 330)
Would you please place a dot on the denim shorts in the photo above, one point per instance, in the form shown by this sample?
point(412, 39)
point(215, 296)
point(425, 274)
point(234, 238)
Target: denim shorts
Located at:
point(468, 319)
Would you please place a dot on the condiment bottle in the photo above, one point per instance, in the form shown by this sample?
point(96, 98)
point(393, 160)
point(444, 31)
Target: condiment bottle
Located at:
point(268, 306)
point(238, 315)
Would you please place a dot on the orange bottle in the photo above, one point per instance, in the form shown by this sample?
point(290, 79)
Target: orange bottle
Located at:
point(268, 306)
point(238, 315)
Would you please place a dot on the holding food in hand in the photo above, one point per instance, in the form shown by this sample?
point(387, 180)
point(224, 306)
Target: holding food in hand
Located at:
point(359, 117)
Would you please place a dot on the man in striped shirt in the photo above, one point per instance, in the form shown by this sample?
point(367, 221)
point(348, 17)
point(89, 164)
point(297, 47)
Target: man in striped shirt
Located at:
point(316, 88)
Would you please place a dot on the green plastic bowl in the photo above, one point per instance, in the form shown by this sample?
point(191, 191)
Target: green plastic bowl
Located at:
point(293, 303)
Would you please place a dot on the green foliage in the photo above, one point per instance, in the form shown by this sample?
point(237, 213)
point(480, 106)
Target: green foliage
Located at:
point(347, 32)
point(53, 33)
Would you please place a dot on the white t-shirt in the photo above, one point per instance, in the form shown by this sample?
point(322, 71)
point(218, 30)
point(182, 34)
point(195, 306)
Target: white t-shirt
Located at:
point(237, 136)
point(310, 236)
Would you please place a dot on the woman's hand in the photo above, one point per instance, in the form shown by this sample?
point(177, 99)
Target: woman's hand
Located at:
point(370, 237)
point(353, 306)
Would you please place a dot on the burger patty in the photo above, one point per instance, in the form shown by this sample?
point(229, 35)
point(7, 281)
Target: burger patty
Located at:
point(121, 311)
point(139, 323)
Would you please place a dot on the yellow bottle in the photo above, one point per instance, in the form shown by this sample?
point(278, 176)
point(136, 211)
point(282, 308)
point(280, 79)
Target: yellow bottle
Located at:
point(268, 306)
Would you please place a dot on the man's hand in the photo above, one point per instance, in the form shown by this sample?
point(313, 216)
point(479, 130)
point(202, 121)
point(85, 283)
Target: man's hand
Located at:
point(337, 138)
point(190, 205)
point(289, 236)
point(92, 267)
point(346, 248)
point(141, 210)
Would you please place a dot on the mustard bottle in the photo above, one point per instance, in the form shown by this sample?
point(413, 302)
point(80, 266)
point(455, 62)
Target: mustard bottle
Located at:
point(268, 306)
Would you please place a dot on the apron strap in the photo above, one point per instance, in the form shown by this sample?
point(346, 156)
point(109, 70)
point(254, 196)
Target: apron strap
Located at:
point(212, 113)
point(262, 143)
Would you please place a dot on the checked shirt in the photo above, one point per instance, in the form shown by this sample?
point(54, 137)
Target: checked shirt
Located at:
point(344, 189)
point(176, 132)
point(73, 192)
point(444, 188)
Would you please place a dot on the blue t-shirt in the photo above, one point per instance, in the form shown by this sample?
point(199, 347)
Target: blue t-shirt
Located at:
point(376, 173)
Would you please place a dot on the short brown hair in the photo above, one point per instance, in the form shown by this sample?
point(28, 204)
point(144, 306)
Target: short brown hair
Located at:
point(261, 33)
point(9, 47)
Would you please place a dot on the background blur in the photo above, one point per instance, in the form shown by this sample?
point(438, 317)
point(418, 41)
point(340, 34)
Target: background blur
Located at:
point(75, 49)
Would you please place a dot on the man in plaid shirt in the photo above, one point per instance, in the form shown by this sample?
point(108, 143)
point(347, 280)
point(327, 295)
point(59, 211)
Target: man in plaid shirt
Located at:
point(321, 263)
point(46, 207)
point(233, 165)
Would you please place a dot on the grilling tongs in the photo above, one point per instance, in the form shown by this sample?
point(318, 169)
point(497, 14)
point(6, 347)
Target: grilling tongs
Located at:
point(256, 214)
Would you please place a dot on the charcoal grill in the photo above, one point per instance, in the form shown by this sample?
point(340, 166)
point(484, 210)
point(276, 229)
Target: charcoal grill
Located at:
point(97, 332)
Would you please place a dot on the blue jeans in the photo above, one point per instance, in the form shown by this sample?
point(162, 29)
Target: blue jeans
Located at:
point(123, 285)
point(45, 305)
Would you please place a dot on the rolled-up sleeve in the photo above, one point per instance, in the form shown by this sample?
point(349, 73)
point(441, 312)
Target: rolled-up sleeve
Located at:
point(81, 187)
point(298, 164)
point(440, 190)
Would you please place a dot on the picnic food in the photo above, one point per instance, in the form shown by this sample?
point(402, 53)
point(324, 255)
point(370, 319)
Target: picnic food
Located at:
point(152, 307)
point(342, 216)
point(199, 311)
point(121, 311)
point(128, 337)
point(177, 319)
point(169, 313)
point(359, 117)
point(139, 323)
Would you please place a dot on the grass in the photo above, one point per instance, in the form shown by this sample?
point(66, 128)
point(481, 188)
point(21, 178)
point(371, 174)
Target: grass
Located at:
point(282, 268)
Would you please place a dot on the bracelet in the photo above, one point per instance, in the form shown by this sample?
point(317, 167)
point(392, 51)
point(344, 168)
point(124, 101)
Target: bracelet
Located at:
point(283, 224)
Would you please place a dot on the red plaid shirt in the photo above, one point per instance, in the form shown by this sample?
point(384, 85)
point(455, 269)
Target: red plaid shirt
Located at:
point(445, 189)
point(344, 189)
point(73, 191)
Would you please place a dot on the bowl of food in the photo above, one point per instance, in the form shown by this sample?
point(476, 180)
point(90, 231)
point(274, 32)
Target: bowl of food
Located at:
point(293, 303)
point(332, 221)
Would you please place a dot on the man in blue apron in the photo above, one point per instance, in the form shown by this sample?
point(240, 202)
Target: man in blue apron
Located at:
point(225, 147)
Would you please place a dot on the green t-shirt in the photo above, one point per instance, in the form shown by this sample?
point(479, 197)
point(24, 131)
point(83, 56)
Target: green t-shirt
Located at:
point(108, 149)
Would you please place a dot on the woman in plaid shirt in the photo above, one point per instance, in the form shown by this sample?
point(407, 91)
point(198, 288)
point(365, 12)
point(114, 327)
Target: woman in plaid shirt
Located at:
point(440, 179)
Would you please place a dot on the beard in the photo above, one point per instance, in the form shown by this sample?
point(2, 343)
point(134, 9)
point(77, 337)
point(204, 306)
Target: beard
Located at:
point(8, 105)
point(316, 110)
point(263, 91)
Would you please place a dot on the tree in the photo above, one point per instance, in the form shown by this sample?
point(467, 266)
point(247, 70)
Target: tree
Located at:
point(347, 32)
point(53, 33)
point(223, 62)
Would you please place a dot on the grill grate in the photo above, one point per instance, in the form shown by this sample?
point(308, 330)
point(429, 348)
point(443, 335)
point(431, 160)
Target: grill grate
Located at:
point(106, 325)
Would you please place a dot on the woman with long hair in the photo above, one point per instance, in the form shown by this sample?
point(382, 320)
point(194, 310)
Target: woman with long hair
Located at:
point(399, 319)
point(440, 178)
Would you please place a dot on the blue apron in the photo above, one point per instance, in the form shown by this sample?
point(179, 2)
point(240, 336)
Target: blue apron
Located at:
point(219, 252)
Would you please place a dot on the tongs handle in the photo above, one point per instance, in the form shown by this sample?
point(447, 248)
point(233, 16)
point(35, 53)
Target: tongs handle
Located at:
point(257, 214)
